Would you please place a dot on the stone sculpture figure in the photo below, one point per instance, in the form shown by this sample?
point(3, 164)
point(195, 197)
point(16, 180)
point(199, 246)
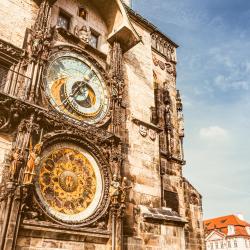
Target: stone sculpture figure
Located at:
point(15, 158)
point(114, 189)
point(124, 189)
point(33, 161)
point(83, 33)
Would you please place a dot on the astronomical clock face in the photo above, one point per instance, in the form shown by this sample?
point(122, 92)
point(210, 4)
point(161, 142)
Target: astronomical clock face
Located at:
point(69, 183)
point(76, 88)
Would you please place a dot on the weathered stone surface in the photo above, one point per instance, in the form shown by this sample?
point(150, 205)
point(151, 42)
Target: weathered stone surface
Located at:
point(148, 122)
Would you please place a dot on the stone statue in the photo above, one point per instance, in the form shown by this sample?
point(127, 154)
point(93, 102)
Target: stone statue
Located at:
point(167, 116)
point(181, 124)
point(114, 190)
point(83, 33)
point(15, 158)
point(33, 161)
point(124, 188)
point(37, 43)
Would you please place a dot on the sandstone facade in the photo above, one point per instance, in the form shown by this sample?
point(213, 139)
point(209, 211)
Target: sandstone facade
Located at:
point(140, 137)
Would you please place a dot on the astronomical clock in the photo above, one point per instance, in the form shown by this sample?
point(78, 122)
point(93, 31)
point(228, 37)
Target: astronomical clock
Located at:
point(91, 131)
point(69, 183)
point(76, 88)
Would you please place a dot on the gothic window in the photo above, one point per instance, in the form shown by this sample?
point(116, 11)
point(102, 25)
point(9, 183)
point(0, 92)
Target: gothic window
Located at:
point(171, 200)
point(83, 13)
point(94, 37)
point(63, 20)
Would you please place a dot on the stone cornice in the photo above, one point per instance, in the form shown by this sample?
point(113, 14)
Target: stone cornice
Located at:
point(146, 124)
point(138, 18)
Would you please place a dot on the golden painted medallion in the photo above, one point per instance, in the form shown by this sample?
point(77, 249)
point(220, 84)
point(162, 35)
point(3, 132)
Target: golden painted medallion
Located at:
point(67, 181)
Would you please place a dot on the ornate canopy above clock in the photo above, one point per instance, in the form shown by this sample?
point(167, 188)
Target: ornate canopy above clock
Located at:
point(76, 88)
point(69, 183)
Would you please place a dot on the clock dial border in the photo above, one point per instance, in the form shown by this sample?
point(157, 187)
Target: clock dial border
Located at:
point(104, 200)
point(72, 112)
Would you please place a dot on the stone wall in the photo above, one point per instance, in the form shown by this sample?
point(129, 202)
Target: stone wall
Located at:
point(16, 17)
point(94, 20)
point(153, 157)
point(33, 243)
point(142, 166)
point(194, 231)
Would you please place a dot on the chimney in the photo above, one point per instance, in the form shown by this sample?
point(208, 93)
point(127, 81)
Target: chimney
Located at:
point(127, 2)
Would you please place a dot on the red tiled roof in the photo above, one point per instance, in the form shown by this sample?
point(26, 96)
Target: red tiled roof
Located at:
point(222, 223)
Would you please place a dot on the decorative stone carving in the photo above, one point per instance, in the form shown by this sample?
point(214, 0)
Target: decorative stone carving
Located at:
point(33, 161)
point(114, 190)
point(152, 134)
point(9, 49)
point(82, 33)
point(170, 67)
point(118, 194)
point(143, 130)
point(163, 46)
point(117, 88)
point(180, 114)
point(39, 43)
point(15, 163)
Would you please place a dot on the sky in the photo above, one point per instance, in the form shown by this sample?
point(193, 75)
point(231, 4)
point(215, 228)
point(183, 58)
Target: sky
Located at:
point(213, 75)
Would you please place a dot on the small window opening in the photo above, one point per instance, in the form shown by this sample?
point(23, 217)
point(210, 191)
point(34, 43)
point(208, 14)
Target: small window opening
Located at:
point(171, 200)
point(94, 37)
point(63, 20)
point(83, 13)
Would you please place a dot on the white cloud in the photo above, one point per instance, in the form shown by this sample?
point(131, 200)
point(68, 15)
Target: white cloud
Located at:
point(213, 132)
point(231, 82)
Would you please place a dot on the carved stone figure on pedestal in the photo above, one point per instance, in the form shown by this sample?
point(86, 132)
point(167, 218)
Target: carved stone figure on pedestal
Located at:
point(33, 161)
point(181, 124)
point(36, 43)
point(114, 190)
point(15, 158)
point(124, 189)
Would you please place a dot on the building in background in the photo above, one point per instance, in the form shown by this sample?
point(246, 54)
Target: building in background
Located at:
point(91, 131)
point(227, 232)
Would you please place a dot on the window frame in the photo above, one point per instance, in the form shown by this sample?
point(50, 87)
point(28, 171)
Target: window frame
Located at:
point(83, 8)
point(68, 16)
point(97, 35)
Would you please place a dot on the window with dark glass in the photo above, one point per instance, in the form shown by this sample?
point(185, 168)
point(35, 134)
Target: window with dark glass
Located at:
point(211, 245)
point(3, 74)
point(63, 20)
point(171, 200)
point(94, 37)
point(216, 245)
point(235, 243)
point(83, 13)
